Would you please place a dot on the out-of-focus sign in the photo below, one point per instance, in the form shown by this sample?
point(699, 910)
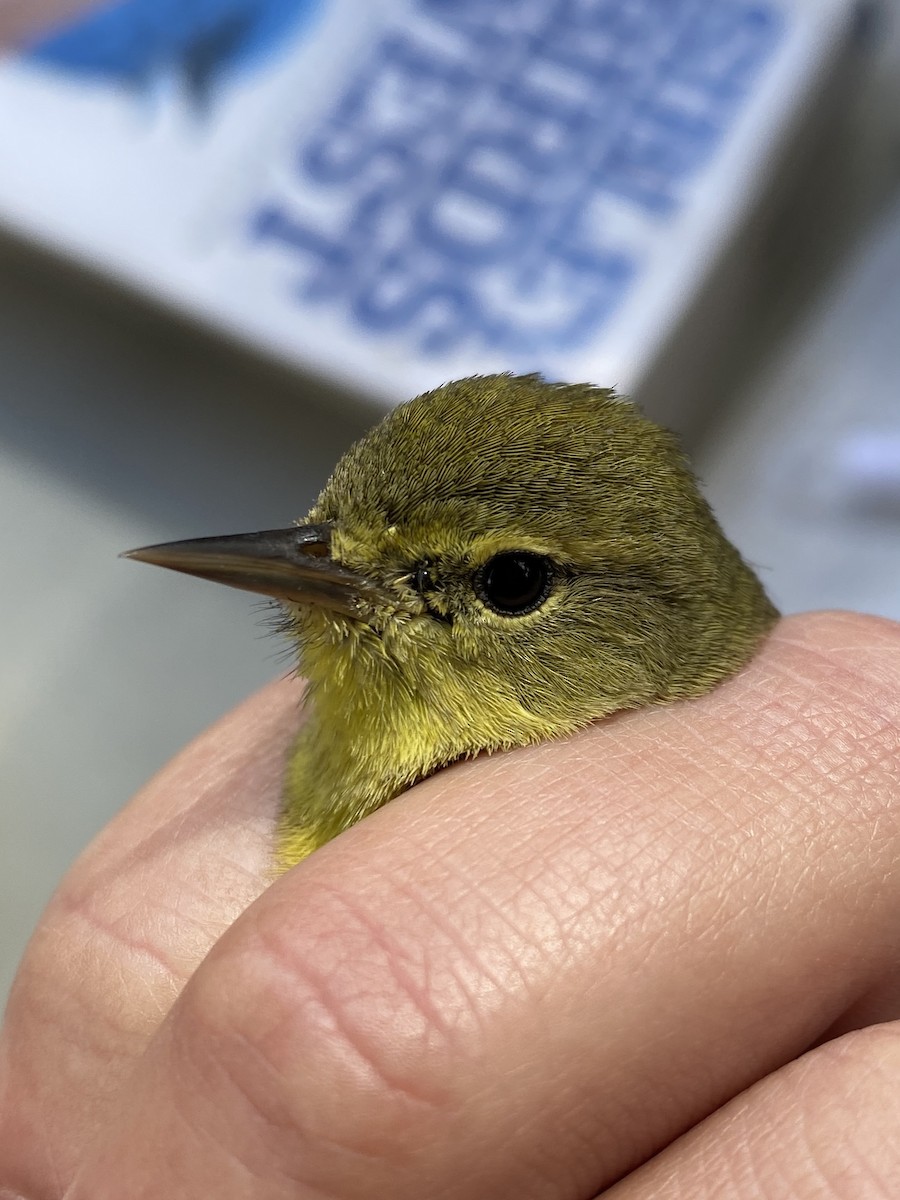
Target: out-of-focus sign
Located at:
point(399, 192)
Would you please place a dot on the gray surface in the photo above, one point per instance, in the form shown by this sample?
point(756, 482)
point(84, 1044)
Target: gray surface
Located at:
point(805, 473)
point(803, 468)
point(119, 427)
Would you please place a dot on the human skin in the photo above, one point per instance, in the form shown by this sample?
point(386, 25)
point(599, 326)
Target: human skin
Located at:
point(528, 976)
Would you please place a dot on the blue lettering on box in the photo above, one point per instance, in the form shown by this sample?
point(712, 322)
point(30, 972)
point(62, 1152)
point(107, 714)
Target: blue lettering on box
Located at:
point(491, 178)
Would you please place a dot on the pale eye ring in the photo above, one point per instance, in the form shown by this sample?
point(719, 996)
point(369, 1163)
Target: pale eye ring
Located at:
point(514, 583)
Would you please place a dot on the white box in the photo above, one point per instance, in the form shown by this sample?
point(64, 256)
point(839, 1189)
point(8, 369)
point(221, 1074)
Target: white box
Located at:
point(393, 193)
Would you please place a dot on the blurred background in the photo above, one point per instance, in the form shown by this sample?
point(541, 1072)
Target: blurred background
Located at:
point(231, 233)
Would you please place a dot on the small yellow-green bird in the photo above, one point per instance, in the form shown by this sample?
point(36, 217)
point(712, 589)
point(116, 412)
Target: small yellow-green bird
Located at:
point(499, 561)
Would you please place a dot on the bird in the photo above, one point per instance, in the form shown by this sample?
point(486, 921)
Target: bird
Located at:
point(500, 561)
point(134, 41)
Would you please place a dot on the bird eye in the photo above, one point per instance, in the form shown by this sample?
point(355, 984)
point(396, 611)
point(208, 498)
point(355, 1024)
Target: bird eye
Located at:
point(514, 583)
point(423, 579)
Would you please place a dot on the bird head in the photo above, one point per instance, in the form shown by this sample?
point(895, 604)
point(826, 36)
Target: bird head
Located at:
point(498, 561)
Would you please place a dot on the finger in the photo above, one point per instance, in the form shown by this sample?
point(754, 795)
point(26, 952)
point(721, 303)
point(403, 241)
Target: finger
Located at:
point(825, 1126)
point(128, 926)
point(532, 972)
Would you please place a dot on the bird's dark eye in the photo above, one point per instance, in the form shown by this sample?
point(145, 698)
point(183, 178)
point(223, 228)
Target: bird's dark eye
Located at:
point(514, 583)
point(423, 579)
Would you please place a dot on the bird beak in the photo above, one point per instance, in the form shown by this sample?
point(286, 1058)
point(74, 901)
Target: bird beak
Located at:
point(289, 564)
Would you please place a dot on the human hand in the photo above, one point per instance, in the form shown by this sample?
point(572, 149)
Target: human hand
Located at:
point(526, 977)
